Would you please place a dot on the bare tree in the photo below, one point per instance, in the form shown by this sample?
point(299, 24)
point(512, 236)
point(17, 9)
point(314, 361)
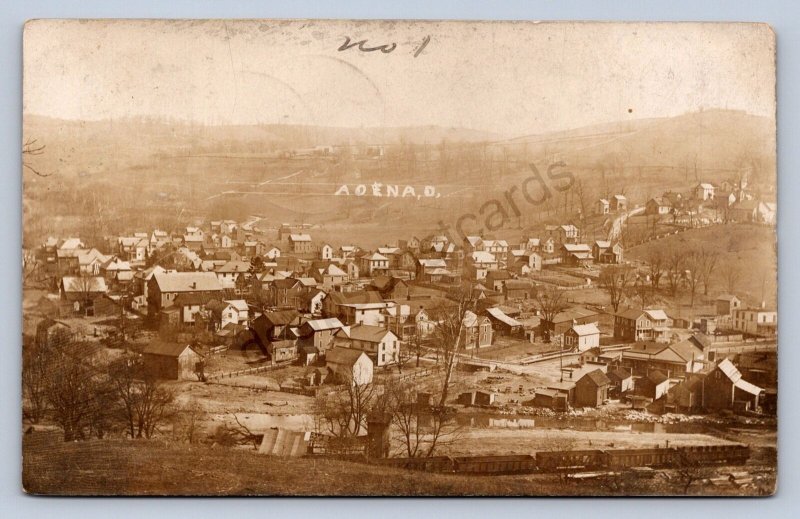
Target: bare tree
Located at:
point(144, 402)
point(448, 337)
point(643, 291)
point(731, 274)
point(689, 470)
point(34, 380)
point(694, 262)
point(421, 428)
point(615, 280)
point(343, 412)
point(72, 385)
point(708, 264)
point(655, 266)
point(550, 302)
point(30, 149)
point(187, 422)
point(675, 270)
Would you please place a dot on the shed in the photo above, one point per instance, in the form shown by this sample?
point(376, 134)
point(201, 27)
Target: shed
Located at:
point(592, 389)
point(350, 364)
point(172, 361)
point(654, 385)
point(621, 380)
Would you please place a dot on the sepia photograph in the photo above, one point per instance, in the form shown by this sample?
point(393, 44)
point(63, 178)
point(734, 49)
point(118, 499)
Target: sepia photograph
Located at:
point(398, 258)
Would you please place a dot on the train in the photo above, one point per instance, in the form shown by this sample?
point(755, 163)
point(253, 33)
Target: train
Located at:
point(577, 460)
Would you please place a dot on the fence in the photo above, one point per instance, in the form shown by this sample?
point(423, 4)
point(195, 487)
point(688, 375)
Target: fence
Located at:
point(248, 371)
point(418, 374)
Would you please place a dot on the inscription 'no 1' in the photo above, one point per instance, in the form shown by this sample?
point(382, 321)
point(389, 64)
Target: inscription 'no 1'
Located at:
point(385, 49)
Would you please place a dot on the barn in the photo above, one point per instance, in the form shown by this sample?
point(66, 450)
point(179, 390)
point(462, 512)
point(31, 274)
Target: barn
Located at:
point(171, 361)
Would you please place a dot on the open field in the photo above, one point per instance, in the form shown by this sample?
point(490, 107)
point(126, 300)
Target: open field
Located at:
point(116, 467)
point(751, 247)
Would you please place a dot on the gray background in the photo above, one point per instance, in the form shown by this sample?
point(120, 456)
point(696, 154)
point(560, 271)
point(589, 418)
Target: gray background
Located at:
point(782, 15)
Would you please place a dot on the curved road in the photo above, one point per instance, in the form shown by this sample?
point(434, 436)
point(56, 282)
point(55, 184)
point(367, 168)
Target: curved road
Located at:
point(619, 221)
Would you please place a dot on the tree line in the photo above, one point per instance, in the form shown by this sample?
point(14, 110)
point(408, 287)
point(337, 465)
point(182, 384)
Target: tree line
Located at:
point(67, 382)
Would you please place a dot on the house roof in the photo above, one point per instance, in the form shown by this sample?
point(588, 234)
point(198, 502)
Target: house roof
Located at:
point(603, 244)
point(300, 237)
point(375, 256)
point(307, 282)
point(661, 201)
point(573, 313)
point(192, 299)
point(333, 270)
point(324, 324)
point(233, 267)
point(657, 315)
point(343, 356)
point(657, 377)
point(281, 317)
point(495, 243)
point(577, 247)
point(166, 349)
point(71, 243)
point(115, 264)
point(618, 374)
point(361, 296)
point(432, 262)
point(502, 317)
point(473, 240)
point(285, 283)
point(187, 281)
point(87, 257)
point(213, 305)
point(471, 319)
point(366, 333)
point(705, 185)
point(480, 256)
point(585, 329)
point(367, 306)
point(629, 313)
point(727, 297)
point(74, 284)
point(597, 377)
point(498, 275)
point(239, 304)
point(735, 376)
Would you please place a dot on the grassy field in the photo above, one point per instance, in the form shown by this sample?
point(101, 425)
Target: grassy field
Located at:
point(114, 467)
point(751, 248)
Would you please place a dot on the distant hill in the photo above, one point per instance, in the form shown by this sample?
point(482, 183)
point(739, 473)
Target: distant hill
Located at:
point(234, 170)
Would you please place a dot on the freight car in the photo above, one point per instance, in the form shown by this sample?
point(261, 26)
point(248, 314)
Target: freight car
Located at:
point(517, 464)
point(554, 461)
point(577, 460)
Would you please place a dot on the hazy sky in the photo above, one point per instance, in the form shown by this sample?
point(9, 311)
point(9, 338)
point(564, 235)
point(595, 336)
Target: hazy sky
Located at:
point(509, 78)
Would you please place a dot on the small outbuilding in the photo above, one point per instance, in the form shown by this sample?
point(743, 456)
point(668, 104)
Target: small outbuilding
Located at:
point(621, 380)
point(171, 361)
point(350, 364)
point(592, 389)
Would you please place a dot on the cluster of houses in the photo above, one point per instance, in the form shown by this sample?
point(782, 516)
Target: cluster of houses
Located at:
point(648, 366)
point(729, 201)
point(301, 301)
point(665, 377)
